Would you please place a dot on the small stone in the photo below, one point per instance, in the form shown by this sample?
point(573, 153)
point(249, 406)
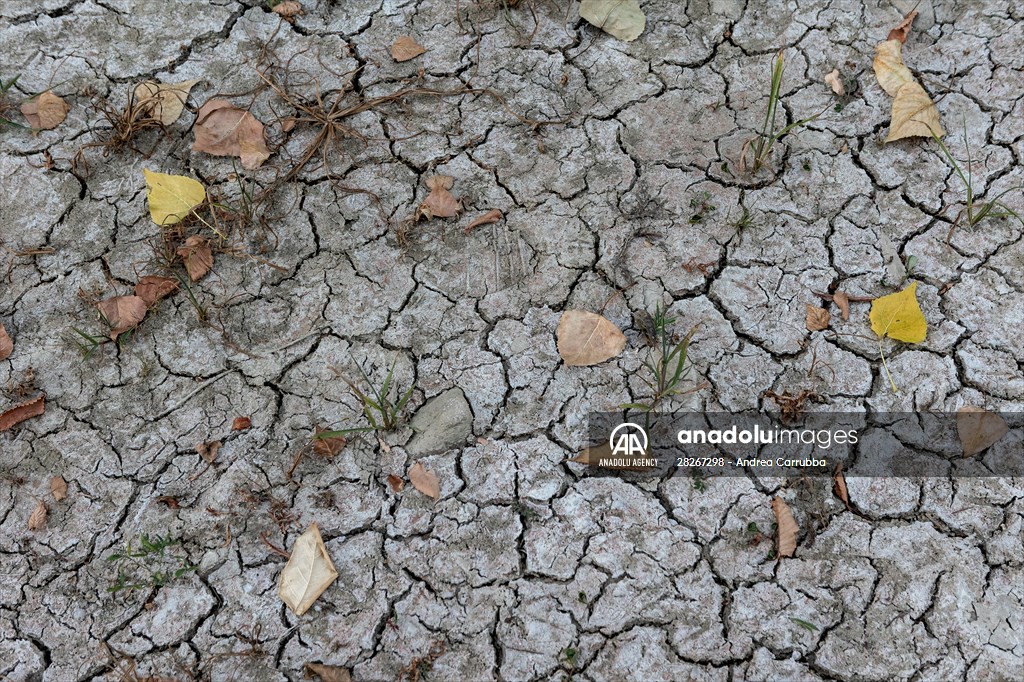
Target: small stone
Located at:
point(444, 422)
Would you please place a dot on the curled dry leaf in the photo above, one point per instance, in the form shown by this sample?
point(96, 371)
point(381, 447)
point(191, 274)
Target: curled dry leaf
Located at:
point(21, 412)
point(439, 203)
point(786, 528)
point(835, 82)
point(327, 673)
point(58, 488)
point(978, 429)
point(586, 338)
point(817, 318)
point(842, 299)
point(122, 313)
point(425, 481)
point(397, 483)
point(902, 29)
point(405, 48)
point(37, 520)
point(6, 345)
point(171, 197)
point(241, 423)
point(170, 501)
point(913, 112)
point(152, 288)
point(208, 451)
point(492, 216)
point(223, 129)
point(164, 101)
point(899, 316)
point(839, 485)
point(45, 112)
point(197, 256)
point(308, 573)
point(620, 18)
point(329, 446)
point(288, 10)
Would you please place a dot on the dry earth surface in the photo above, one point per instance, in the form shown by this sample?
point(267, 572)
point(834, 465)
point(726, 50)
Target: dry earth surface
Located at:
point(526, 568)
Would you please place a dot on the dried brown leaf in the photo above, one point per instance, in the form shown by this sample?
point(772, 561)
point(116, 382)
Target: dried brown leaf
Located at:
point(834, 81)
point(170, 501)
point(288, 10)
point(585, 338)
point(817, 318)
point(786, 528)
point(21, 412)
point(425, 481)
point(58, 488)
point(842, 299)
point(327, 673)
point(122, 313)
point(6, 345)
point(37, 520)
point(45, 112)
point(223, 129)
point(308, 573)
point(241, 423)
point(978, 429)
point(397, 483)
point(328, 447)
point(839, 485)
point(152, 288)
point(405, 48)
point(208, 451)
point(902, 29)
point(439, 203)
point(197, 256)
point(165, 101)
point(492, 216)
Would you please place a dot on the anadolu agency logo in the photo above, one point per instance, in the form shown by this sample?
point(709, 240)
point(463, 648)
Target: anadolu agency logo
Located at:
point(628, 440)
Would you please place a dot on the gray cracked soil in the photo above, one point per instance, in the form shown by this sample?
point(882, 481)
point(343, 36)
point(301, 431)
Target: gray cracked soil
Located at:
point(526, 569)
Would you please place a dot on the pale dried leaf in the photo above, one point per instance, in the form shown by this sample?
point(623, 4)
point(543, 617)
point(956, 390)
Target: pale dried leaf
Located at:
point(152, 288)
point(835, 82)
point(842, 299)
point(439, 203)
point(492, 216)
point(913, 112)
point(621, 18)
point(222, 129)
point(6, 345)
point(122, 313)
point(978, 429)
point(37, 520)
point(208, 451)
point(165, 101)
point(308, 573)
point(21, 412)
point(786, 528)
point(817, 318)
point(397, 483)
point(45, 112)
point(425, 481)
point(197, 255)
point(405, 48)
point(586, 338)
point(58, 488)
point(327, 673)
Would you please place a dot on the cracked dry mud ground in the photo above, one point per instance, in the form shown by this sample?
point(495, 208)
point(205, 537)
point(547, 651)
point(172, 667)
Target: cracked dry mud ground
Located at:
point(524, 557)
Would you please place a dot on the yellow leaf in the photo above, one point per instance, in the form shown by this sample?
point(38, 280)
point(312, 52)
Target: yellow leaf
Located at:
point(171, 197)
point(308, 573)
point(165, 101)
point(899, 317)
point(913, 112)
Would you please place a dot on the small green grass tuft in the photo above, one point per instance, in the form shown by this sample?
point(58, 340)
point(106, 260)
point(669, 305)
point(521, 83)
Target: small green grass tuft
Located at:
point(149, 565)
point(380, 409)
point(666, 363)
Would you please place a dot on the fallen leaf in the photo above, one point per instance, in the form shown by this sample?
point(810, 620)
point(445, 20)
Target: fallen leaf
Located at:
point(425, 481)
point(38, 518)
point(170, 501)
point(288, 9)
point(592, 455)
point(165, 101)
point(817, 318)
point(223, 129)
point(122, 313)
point(913, 112)
point(899, 316)
point(45, 112)
point(21, 412)
point(152, 288)
point(327, 673)
point(902, 29)
point(978, 429)
point(405, 48)
point(587, 338)
point(396, 482)
point(208, 451)
point(842, 300)
point(439, 203)
point(839, 485)
point(197, 256)
point(6, 345)
point(492, 216)
point(241, 423)
point(835, 82)
point(329, 446)
point(171, 197)
point(786, 528)
point(620, 18)
point(58, 488)
point(308, 573)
